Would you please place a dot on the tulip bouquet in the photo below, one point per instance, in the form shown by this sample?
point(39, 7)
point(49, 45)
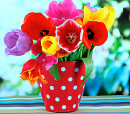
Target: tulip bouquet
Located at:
point(68, 34)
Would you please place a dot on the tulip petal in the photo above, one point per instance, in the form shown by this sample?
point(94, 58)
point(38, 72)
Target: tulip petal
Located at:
point(61, 12)
point(35, 23)
point(55, 10)
point(29, 65)
point(57, 21)
point(110, 18)
point(95, 33)
point(63, 30)
point(87, 14)
point(100, 14)
point(13, 51)
point(10, 39)
point(32, 82)
point(79, 21)
point(17, 42)
point(49, 45)
point(25, 76)
point(86, 43)
point(32, 71)
point(42, 80)
point(62, 53)
point(49, 60)
point(36, 48)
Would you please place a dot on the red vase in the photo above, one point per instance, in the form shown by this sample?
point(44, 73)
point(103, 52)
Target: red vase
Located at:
point(63, 95)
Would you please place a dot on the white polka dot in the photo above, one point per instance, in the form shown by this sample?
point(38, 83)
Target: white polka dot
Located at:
point(83, 86)
point(69, 97)
point(74, 105)
point(43, 76)
point(57, 99)
point(40, 85)
point(48, 96)
point(78, 96)
point(51, 107)
point(51, 88)
point(75, 87)
point(63, 106)
point(76, 69)
point(70, 79)
point(82, 77)
point(63, 69)
point(63, 87)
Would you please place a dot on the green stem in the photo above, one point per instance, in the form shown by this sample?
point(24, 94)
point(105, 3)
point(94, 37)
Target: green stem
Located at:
point(70, 56)
point(88, 53)
point(92, 47)
point(81, 51)
point(65, 58)
point(61, 58)
point(38, 56)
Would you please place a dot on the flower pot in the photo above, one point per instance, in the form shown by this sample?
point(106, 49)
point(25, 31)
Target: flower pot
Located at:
point(63, 95)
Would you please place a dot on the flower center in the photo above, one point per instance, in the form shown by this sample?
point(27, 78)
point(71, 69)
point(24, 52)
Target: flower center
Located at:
point(90, 34)
point(47, 44)
point(44, 33)
point(71, 37)
point(63, 19)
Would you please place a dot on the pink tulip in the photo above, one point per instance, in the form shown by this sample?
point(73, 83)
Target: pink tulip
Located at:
point(48, 60)
point(60, 12)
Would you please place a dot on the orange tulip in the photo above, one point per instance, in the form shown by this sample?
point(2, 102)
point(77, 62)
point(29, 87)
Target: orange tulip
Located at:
point(32, 71)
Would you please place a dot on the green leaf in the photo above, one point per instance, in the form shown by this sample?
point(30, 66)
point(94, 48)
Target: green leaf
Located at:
point(89, 65)
point(54, 71)
point(75, 56)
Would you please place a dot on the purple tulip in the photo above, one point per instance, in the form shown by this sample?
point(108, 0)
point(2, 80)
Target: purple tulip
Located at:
point(93, 9)
point(17, 42)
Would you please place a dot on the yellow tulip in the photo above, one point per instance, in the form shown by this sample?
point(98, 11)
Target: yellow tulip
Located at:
point(50, 45)
point(87, 14)
point(110, 17)
point(106, 15)
point(79, 21)
point(100, 14)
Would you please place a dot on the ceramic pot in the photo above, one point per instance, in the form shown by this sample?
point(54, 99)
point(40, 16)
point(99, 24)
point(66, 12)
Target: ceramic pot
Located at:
point(63, 95)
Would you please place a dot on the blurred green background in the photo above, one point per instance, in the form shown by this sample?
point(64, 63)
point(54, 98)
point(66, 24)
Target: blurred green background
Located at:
point(111, 74)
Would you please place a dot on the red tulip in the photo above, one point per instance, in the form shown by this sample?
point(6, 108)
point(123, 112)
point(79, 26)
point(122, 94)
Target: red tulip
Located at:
point(36, 25)
point(69, 35)
point(94, 32)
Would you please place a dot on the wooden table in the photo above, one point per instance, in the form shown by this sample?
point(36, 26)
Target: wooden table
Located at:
point(88, 105)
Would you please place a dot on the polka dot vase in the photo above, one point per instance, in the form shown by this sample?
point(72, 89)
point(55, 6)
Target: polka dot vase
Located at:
point(63, 95)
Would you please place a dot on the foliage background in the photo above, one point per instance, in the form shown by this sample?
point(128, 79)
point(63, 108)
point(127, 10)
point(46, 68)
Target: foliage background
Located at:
point(111, 74)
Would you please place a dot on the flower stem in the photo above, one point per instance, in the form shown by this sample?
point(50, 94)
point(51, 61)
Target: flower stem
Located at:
point(88, 53)
point(70, 56)
point(61, 58)
point(81, 50)
point(38, 56)
point(92, 47)
point(65, 58)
